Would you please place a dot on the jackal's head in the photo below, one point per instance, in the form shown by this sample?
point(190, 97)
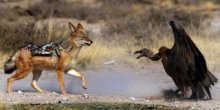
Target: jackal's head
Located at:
point(78, 35)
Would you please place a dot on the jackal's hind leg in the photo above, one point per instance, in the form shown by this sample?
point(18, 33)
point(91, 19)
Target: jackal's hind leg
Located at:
point(79, 75)
point(36, 76)
point(18, 75)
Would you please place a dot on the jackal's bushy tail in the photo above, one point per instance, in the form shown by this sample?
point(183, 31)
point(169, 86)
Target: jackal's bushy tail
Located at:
point(10, 66)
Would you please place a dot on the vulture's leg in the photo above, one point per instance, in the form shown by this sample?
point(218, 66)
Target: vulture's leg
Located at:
point(193, 95)
point(176, 91)
point(208, 92)
point(178, 88)
point(197, 92)
point(181, 87)
point(177, 85)
point(183, 91)
point(201, 92)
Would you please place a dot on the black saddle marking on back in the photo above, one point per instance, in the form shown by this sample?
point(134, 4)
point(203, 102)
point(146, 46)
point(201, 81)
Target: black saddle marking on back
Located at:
point(44, 50)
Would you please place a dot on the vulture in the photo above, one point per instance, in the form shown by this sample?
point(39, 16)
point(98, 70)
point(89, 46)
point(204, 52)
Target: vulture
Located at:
point(185, 64)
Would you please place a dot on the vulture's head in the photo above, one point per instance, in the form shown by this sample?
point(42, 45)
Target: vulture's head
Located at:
point(142, 53)
point(163, 50)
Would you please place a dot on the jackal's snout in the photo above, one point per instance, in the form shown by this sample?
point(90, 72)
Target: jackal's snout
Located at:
point(88, 43)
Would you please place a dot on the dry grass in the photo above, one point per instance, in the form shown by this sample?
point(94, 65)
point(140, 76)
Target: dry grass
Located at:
point(138, 24)
point(120, 50)
point(210, 49)
point(209, 46)
point(102, 51)
point(99, 52)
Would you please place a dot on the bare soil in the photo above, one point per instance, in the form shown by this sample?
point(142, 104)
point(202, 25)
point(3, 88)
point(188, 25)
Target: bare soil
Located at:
point(113, 83)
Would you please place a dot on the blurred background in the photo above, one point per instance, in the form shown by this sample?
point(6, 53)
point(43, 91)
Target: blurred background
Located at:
point(117, 27)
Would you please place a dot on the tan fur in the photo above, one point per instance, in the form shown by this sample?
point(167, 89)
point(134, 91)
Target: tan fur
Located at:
point(26, 63)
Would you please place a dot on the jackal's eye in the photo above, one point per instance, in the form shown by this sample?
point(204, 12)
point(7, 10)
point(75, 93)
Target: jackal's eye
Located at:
point(80, 39)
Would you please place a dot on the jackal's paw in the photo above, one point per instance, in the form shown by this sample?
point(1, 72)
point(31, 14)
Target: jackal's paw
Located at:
point(9, 91)
point(84, 87)
point(45, 92)
point(65, 94)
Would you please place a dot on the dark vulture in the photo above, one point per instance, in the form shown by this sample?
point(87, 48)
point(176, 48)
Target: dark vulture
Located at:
point(185, 64)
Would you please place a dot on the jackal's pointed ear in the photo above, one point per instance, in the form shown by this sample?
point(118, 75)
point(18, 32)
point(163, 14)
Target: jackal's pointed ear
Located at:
point(72, 27)
point(79, 26)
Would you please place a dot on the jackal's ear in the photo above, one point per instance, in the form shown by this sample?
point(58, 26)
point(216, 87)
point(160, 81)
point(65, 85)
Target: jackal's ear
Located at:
point(79, 26)
point(72, 27)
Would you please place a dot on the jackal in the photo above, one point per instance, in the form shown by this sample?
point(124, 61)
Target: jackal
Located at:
point(60, 57)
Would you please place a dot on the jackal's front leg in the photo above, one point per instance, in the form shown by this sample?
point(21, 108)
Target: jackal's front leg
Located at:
point(79, 75)
point(60, 81)
point(36, 76)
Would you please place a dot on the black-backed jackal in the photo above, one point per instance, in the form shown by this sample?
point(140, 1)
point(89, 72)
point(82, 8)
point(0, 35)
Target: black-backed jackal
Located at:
point(61, 58)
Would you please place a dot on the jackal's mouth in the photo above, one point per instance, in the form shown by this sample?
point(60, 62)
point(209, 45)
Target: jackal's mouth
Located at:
point(88, 43)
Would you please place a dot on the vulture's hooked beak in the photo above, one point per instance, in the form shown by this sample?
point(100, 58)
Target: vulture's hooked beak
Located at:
point(140, 52)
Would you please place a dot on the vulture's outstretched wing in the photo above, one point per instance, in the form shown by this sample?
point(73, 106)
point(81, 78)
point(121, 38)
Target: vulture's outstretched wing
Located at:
point(186, 49)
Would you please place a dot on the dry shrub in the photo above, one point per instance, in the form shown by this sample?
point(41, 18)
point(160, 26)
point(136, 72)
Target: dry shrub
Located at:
point(122, 51)
point(145, 24)
point(103, 51)
point(77, 10)
point(129, 25)
point(14, 36)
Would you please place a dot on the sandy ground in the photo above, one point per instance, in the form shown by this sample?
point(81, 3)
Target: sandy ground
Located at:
point(111, 83)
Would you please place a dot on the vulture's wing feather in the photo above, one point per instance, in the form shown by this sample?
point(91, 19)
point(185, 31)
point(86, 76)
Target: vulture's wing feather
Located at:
point(185, 48)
